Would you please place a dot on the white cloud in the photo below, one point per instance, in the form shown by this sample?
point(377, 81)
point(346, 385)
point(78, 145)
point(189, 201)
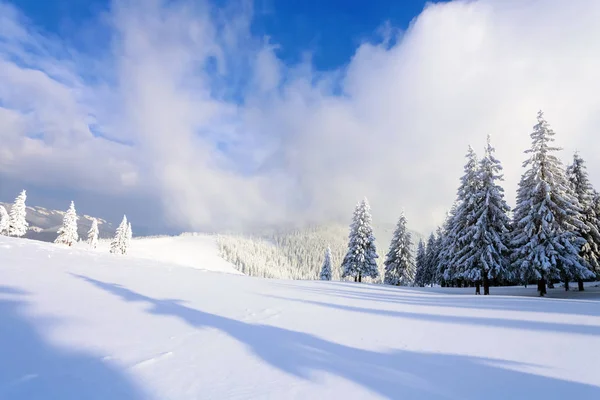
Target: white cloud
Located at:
point(296, 149)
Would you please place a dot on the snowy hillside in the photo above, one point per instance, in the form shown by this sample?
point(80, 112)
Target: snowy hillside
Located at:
point(43, 223)
point(297, 254)
point(76, 324)
point(189, 250)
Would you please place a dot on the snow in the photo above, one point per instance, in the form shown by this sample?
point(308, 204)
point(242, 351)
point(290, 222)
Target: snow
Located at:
point(83, 324)
point(197, 251)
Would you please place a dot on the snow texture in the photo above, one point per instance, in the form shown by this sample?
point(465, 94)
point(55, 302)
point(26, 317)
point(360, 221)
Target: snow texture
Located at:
point(360, 260)
point(143, 329)
point(421, 264)
point(399, 263)
point(92, 238)
point(120, 242)
point(17, 222)
point(458, 233)
point(326, 269)
point(581, 186)
point(4, 221)
point(67, 233)
point(485, 254)
point(547, 216)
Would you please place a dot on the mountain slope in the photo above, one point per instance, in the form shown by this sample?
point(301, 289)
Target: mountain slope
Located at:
point(44, 223)
point(298, 253)
point(77, 324)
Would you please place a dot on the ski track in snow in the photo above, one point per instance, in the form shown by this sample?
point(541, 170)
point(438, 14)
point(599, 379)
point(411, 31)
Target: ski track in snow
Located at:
point(80, 324)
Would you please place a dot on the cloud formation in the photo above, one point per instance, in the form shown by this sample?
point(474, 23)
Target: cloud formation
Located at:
point(187, 106)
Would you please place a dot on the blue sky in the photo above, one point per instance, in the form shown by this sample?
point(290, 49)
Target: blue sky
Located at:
point(330, 30)
point(283, 112)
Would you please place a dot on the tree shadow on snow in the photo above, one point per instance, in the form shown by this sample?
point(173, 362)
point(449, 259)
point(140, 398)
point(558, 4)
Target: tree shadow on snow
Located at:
point(592, 330)
point(587, 303)
point(394, 374)
point(33, 369)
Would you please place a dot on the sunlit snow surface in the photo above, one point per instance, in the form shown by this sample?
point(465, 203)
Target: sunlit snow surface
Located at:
point(76, 324)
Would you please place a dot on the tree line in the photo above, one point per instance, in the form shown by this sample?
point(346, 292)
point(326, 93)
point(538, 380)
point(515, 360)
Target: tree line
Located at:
point(15, 224)
point(551, 236)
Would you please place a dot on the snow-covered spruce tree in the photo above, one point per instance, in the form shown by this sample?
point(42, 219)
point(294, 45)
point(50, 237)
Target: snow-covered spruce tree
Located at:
point(399, 264)
point(67, 233)
point(484, 256)
point(431, 255)
point(326, 269)
point(421, 264)
point(360, 260)
point(17, 221)
point(583, 190)
point(444, 274)
point(4, 221)
point(119, 242)
point(128, 237)
point(464, 217)
point(545, 243)
point(92, 236)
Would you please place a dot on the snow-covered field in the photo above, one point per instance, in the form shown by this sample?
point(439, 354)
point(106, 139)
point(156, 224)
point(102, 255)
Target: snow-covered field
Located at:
point(76, 324)
point(195, 251)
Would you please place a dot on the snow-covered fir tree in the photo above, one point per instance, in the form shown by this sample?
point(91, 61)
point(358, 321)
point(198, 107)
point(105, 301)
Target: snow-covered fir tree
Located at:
point(431, 256)
point(456, 240)
point(443, 272)
point(4, 221)
point(17, 221)
point(547, 217)
point(583, 190)
point(421, 264)
point(326, 268)
point(360, 260)
point(128, 237)
point(119, 242)
point(67, 233)
point(92, 236)
point(484, 254)
point(399, 263)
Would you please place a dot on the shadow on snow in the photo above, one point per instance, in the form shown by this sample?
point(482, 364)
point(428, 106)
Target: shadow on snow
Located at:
point(586, 303)
point(395, 374)
point(32, 369)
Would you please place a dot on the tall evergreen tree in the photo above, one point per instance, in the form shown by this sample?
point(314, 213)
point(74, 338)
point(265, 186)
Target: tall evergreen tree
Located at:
point(326, 268)
point(444, 272)
point(431, 256)
point(360, 259)
point(119, 242)
point(463, 218)
point(93, 233)
point(399, 264)
point(547, 217)
point(67, 233)
point(128, 237)
point(484, 256)
point(581, 186)
point(17, 222)
point(421, 263)
point(4, 221)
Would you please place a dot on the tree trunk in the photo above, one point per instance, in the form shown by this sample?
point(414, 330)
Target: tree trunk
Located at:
point(580, 285)
point(359, 277)
point(477, 288)
point(542, 286)
point(486, 285)
point(566, 285)
point(356, 279)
